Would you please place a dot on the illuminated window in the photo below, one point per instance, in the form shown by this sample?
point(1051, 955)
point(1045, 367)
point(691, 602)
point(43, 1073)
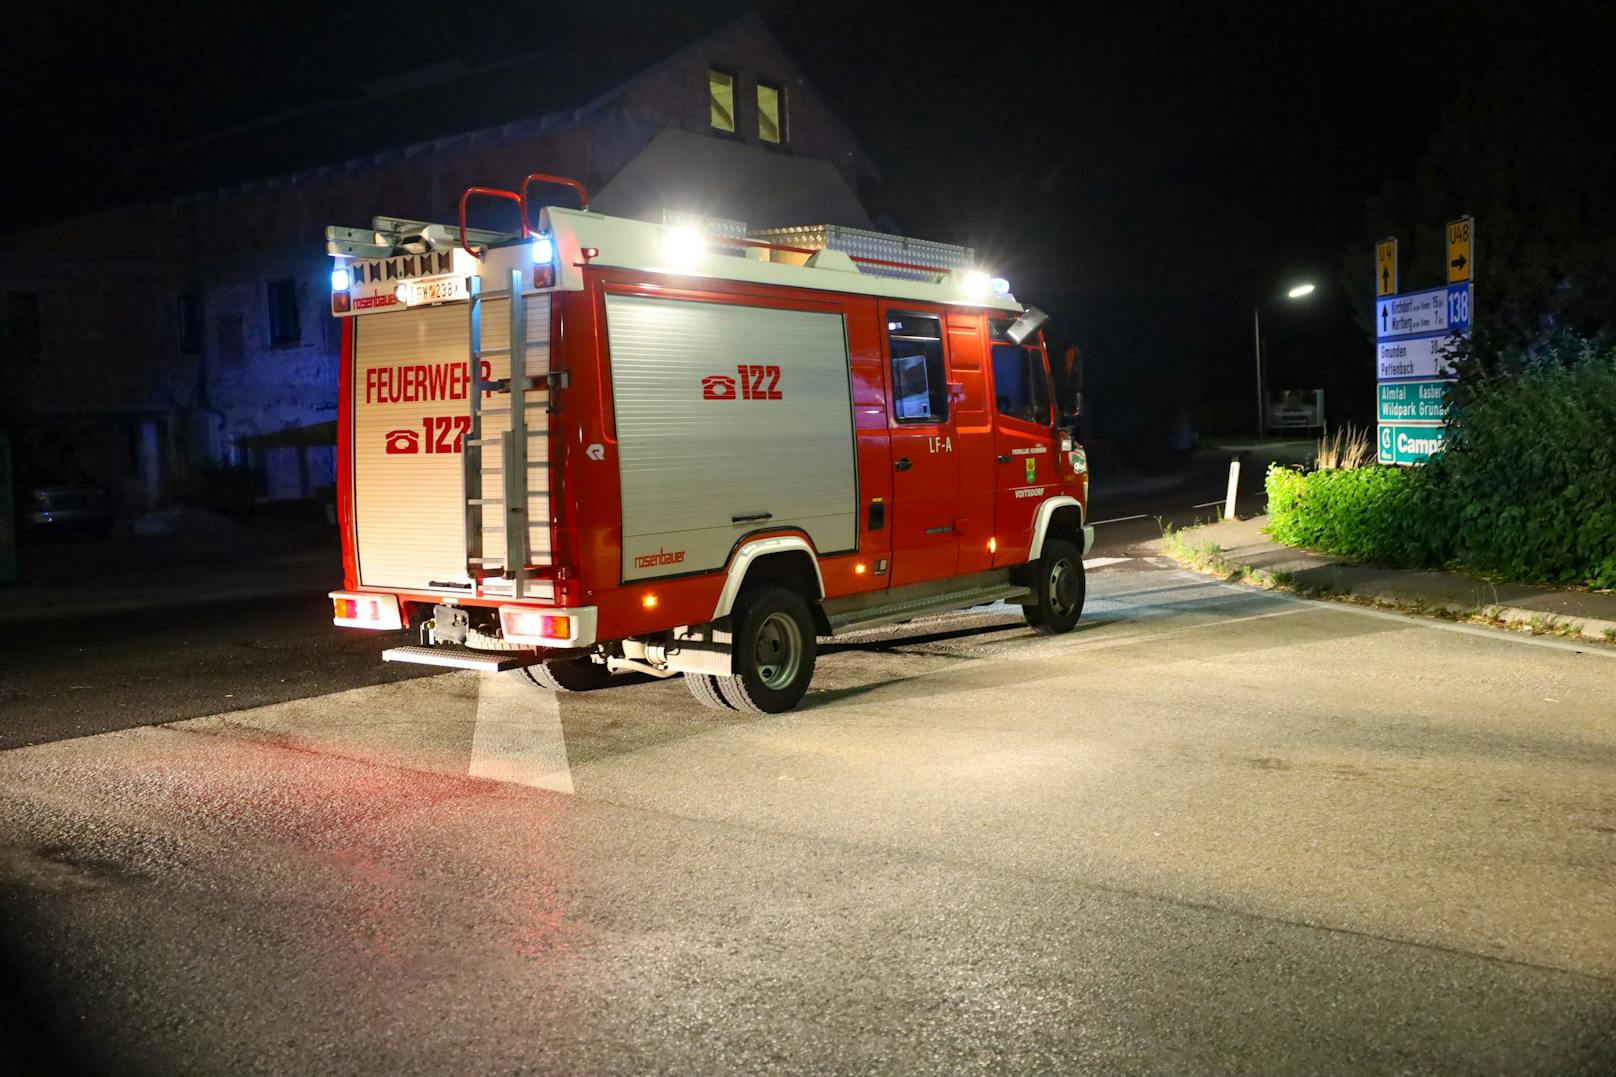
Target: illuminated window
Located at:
point(771, 113)
point(721, 99)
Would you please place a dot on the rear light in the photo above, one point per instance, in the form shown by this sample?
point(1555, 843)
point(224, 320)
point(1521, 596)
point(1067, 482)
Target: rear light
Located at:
point(548, 627)
point(359, 610)
point(544, 272)
point(535, 624)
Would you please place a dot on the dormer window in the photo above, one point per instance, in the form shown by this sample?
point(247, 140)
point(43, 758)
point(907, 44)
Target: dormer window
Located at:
point(771, 112)
point(721, 99)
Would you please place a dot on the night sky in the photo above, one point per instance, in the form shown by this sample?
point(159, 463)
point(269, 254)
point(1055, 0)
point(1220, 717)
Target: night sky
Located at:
point(1145, 171)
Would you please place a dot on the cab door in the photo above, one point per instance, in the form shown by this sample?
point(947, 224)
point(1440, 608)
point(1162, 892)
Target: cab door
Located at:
point(1025, 439)
point(925, 460)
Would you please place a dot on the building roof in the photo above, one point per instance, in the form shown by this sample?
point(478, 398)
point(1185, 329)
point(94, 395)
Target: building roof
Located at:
point(403, 105)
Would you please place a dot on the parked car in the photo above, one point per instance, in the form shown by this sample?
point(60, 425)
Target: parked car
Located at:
point(62, 510)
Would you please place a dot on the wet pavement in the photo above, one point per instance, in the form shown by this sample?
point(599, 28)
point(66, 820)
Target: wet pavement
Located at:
point(1213, 830)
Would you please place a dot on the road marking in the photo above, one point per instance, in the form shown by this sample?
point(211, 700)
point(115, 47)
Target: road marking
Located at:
point(518, 736)
point(1101, 562)
point(1120, 519)
point(1207, 504)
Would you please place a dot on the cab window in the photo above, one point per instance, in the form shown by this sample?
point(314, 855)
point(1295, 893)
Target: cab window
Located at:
point(919, 379)
point(1020, 389)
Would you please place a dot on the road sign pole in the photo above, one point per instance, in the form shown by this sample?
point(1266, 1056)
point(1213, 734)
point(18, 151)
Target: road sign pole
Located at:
point(1256, 347)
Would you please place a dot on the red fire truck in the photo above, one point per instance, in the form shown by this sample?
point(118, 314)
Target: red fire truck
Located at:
point(717, 446)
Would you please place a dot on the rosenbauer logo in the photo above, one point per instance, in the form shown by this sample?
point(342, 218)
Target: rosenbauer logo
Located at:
point(661, 557)
point(754, 381)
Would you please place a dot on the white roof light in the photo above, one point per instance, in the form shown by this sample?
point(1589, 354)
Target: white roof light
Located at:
point(339, 279)
point(683, 246)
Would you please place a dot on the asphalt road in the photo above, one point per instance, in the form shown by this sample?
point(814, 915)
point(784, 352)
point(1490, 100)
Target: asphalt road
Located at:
point(1214, 830)
point(73, 677)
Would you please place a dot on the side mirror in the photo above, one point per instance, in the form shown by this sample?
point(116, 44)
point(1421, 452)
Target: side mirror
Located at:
point(1032, 319)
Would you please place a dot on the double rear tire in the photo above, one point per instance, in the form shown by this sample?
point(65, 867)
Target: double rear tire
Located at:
point(774, 648)
point(1058, 589)
point(564, 675)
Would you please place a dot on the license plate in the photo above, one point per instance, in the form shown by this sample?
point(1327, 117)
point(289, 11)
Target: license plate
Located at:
point(436, 290)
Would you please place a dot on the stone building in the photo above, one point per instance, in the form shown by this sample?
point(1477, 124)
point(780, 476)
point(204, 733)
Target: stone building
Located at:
point(147, 345)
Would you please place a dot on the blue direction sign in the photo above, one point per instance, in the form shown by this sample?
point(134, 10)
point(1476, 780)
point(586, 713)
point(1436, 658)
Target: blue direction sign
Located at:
point(1402, 443)
point(1434, 312)
point(1411, 401)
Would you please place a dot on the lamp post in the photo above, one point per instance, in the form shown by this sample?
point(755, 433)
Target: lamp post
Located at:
point(1296, 292)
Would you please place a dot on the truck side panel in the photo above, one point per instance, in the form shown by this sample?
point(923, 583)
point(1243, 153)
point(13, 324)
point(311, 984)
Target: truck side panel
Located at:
point(730, 419)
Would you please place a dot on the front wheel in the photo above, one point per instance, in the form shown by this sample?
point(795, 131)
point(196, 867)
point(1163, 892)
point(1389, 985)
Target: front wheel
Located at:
point(774, 649)
point(1058, 589)
point(564, 675)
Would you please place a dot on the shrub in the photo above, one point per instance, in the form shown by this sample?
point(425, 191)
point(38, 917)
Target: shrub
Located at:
point(1529, 476)
point(1526, 488)
point(1376, 513)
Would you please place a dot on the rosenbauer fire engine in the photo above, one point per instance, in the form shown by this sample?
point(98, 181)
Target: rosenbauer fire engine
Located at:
point(715, 448)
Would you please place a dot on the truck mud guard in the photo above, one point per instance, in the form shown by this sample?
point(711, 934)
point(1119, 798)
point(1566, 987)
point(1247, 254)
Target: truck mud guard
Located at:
point(751, 552)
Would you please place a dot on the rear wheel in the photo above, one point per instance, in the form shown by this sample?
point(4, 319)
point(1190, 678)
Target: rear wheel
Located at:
point(1058, 589)
point(564, 675)
point(704, 686)
point(774, 648)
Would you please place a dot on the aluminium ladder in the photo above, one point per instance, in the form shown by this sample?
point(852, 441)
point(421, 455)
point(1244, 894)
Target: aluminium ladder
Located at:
point(514, 486)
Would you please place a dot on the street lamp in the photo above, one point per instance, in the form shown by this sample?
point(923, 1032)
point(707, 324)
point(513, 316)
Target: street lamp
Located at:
point(1297, 291)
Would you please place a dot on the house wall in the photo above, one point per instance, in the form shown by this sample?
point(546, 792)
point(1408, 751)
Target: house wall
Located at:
point(109, 283)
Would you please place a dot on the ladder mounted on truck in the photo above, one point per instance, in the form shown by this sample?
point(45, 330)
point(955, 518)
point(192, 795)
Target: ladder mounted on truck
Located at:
point(510, 558)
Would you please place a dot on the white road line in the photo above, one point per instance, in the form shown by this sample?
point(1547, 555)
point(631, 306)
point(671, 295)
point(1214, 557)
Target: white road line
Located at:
point(1207, 504)
point(1120, 519)
point(518, 736)
point(1101, 562)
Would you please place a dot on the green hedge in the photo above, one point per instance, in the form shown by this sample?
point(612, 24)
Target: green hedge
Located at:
point(1526, 489)
point(1374, 513)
